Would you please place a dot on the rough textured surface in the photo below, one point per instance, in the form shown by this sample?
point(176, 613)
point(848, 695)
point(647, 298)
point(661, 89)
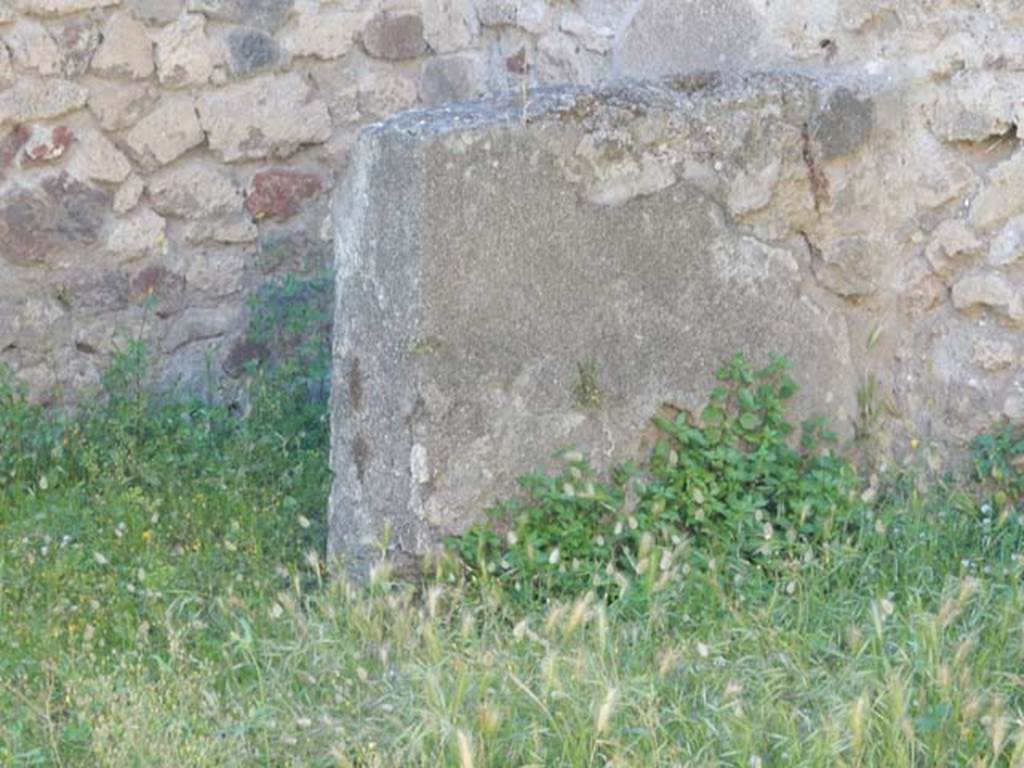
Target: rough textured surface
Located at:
point(903, 205)
point(264, 117)
point(477, 271)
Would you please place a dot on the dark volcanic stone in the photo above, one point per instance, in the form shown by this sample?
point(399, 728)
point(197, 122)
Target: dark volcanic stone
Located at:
point(38, 224)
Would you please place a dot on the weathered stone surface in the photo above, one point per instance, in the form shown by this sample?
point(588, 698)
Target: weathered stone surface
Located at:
point(167, 133)
point(194, 191)
point(472, 281)
point(184, 55)
point(497, 13)
point(31, 99)
point(993, 355)
point(95, 158)
point(843, 124)
point(597, 39)
point(1008, 246)
point(264, 117)
point(280, 192)
point(144, 233)
point(560, 58)
point(38, 225)
point(251, 51)
point(394, 35)
point(33, 48)
point(10, 147)
point(265, 14)
point(850, 267)
point(120, 105)
point(380, 94)
point(976, 106)
point(459, 77)
point(216, 274)
point(155, 11)
point(58, 7)
point(1000, 199)
point(126, 49)
point(128, 194)
point(323, 35)
point(6, 70)
point(952, 246)
point(158, 282)
point(77, 40)
point(234, 229)
point(1013, 408)
point(667, 37)
point(45, 143)
point(989, 290)
point(449, 25)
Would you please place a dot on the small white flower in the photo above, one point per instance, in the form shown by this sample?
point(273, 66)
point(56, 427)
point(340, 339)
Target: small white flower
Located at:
point(512, 538)
point(100, 558)
point(554, 557)
point(276, 611)
point(303, 521)
point(703, 651)
point(887, 607)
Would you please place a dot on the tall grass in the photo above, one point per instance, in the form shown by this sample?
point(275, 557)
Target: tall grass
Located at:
point(164, 601)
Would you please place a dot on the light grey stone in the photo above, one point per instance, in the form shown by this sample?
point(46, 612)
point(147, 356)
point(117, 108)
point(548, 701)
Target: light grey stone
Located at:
point(77, 40)
point(95, 158)
point(989, 290)
point(1008, 246)
point(668, 37)
point(184, 55)
point(6, 70)
point(32, 98)
point(472, 280)
point(323, 35)
point(993, 355)
point(269, 116)
point(976, 106)
point(1000, 200)
point(458, 77)
point(194, 191)
point(120, 105)
point(128, 194)
point(58, 7)
point(126, 48)
point(952, 246)
point(167, 133)
point(155, 11)
point(32, 48)
point(144, 233)
point(449, 25)
point(265, 14)
point(850, 267)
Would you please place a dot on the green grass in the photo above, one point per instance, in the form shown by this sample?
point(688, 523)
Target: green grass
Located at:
point(163, 601)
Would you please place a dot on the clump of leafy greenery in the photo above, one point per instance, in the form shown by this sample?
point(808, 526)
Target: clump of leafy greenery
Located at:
point(727, 483)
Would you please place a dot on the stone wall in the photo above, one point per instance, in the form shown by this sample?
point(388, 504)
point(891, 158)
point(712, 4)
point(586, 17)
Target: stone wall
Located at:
point(159, 159)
